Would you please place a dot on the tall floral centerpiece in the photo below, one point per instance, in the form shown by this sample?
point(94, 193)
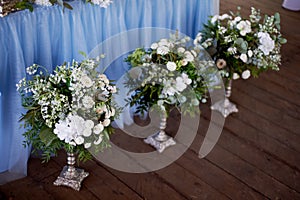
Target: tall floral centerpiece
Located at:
point(167, 75)
point(69, 109)
point(242, 47)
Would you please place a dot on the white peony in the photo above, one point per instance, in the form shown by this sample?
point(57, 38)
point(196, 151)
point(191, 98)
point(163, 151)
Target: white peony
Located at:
point(171, 66)
point(266, 43)
point(244, 27)
point(246, 74)
point(180, 85)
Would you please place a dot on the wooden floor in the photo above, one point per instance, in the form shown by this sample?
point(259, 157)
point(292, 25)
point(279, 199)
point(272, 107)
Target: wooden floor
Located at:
point(257, 155)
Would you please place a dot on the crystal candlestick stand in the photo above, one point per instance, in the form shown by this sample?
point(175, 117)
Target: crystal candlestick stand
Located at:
point(225, 107)
point(160, 140)
point(71, 176)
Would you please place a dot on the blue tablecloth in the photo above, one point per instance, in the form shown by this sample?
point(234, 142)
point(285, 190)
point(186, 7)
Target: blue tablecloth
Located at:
point(48, 36)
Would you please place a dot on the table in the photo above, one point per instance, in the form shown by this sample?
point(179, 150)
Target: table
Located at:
point(48, 36)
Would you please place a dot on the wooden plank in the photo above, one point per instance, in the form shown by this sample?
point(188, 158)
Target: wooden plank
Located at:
point(263, 95)
point(173, 176)
point(258, 139)
point(254, 156)
point(26, 189)
point(266, 111)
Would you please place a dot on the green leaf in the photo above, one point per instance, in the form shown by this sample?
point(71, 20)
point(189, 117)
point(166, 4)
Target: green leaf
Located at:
point(24, 5)
point(47, 136)
point(277, 18)
point(68, 6)
point(283, 40)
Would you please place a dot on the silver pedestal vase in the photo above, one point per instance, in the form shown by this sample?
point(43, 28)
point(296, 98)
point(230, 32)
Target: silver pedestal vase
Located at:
point(225, 106)
point(71, 176)
point(160, 140)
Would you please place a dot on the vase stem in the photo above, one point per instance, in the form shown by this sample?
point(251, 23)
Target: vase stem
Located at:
point(228, 89)
point(161, 140)
point(225, 106)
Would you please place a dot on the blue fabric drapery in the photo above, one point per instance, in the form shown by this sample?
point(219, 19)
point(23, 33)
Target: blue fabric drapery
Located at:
point(48, 36)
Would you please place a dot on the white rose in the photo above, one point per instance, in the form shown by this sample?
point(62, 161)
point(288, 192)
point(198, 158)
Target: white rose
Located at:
point(79, 140)
point(86, 81)
point(154, 46)
point(112, 111)
point(224, 16)
point(89, 124)
point(244, 57)
point(246, 74)
point(188, 56)
point(163, 50)
point(88, 102)
point(214, 19)
point(184, 62)
point(99, 140)
point(171, 66)
point(106, 122)
point(87, 145)
point(181, 50)
point(87, 132)
point(98, 129)
point(235, 76)
point(250, 53)
point(244, 27)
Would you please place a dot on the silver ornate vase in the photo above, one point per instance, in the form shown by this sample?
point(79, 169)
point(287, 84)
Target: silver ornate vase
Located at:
point(225, 106)
point(160, 140)
point(71, 176)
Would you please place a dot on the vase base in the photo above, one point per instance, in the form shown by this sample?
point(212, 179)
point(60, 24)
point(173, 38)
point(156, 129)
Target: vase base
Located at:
point(160, 144)
point(71, 180)
point(225, 107)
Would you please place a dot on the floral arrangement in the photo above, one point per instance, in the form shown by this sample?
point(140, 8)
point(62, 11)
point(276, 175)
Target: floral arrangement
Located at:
point(11, 6)
point(71, 108)
point(243, 47)
point(168, 74)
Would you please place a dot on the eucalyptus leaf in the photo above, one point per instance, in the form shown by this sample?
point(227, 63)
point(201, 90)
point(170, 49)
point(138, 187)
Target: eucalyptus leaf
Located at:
point(277, 18)
point(283, 40)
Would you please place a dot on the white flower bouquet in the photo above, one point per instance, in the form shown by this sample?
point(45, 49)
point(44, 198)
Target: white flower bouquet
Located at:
point(243, 47)
point(28, 4)
point(168, 74)
point(71, 108)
